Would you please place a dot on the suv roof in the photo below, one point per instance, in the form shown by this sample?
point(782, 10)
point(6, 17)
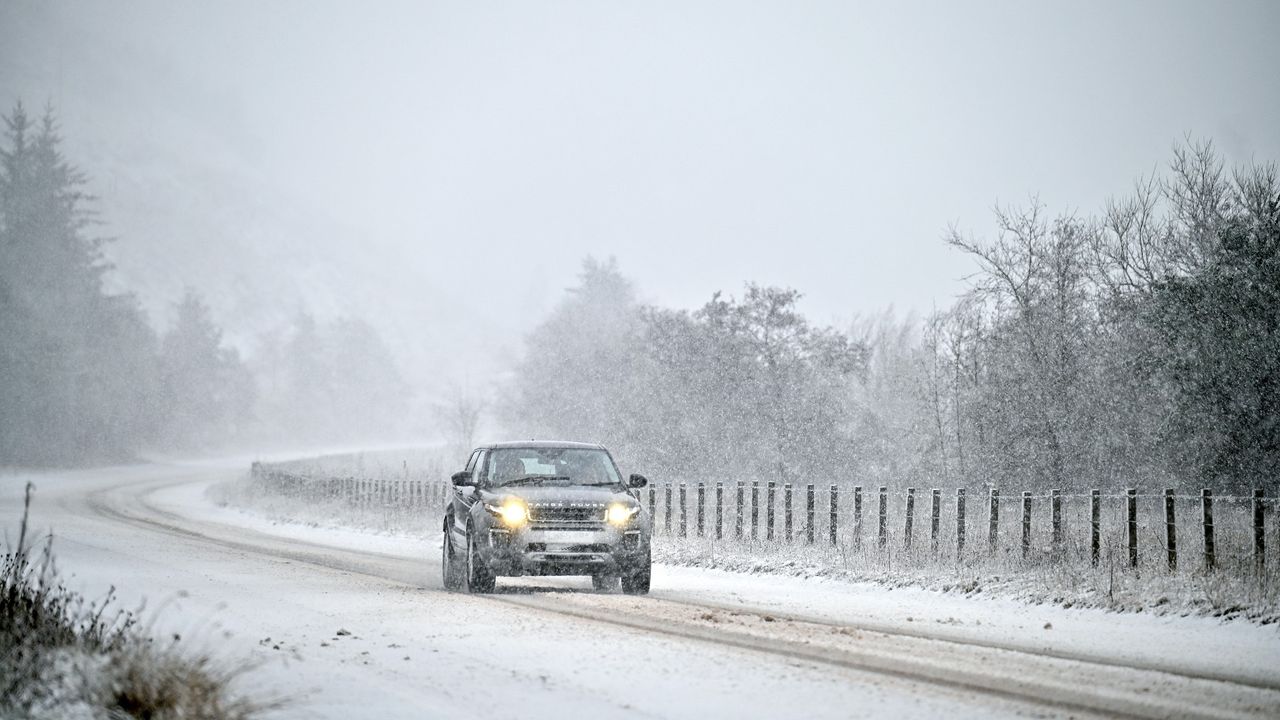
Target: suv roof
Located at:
point(541, 444)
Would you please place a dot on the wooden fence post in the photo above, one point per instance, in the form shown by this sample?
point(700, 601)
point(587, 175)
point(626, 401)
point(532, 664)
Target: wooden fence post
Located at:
point(882, 532)
point(809, 512)
point(769, 495)
point(1170, 529)
point(935, 515)
point(684, 517)
point(1259, 537)
point(755, 509)
point(653, 506)
point(702, 509)
point(1131, 501)
point(719, 510)
point(959, 522)
point(740, 506)
point(1055, 509)
point(786, 503)
point(666, 514)
point(911, 511)
point(993, 520)
point(1095, 526)
point(1026, 522)
point(857, 517)
point(1206, 503)
point(835, 518)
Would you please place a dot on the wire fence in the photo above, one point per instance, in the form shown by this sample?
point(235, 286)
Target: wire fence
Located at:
point(1140, 532)
point(1131, 532)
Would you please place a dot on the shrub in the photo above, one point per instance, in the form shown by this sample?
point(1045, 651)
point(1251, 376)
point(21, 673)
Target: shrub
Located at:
point(63, 656)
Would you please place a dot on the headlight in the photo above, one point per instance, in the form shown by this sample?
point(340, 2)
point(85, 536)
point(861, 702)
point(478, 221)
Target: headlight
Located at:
point(512, 512)
point(619, 514)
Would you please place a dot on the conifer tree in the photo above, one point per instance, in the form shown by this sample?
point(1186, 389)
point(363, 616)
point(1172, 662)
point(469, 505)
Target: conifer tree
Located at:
point(205, 391)
point(78, 363)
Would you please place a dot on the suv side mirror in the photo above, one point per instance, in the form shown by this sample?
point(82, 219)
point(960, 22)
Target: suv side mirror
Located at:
point(637, 481)
point(462, 478)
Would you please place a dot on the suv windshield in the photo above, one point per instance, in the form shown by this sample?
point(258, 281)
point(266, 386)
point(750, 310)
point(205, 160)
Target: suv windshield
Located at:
point(558, 466)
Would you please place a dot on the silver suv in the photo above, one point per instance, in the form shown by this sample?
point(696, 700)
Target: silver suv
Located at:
point(545, 508)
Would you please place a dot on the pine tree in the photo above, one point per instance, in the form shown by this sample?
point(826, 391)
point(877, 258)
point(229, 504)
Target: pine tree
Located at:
point(205, 391)
point(78, 363)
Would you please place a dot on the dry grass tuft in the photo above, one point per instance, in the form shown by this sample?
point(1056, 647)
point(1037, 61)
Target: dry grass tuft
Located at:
point(62, 656)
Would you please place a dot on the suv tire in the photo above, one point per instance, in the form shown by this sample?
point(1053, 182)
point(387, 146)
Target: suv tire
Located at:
point(635, 581)
point(604, 583)
point(450, 570)
point(479, 579)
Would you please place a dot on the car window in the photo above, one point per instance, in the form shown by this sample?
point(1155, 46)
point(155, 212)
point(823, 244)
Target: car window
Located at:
point(571, 466)
point(471, 461)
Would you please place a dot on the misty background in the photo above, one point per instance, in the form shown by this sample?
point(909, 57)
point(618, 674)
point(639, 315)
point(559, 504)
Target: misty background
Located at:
point(360, 224)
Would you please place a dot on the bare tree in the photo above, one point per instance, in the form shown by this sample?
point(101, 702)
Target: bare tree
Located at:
point(1036, 267)
point(459, 413)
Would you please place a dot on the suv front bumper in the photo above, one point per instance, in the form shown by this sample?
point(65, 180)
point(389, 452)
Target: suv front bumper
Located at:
point(533, 551)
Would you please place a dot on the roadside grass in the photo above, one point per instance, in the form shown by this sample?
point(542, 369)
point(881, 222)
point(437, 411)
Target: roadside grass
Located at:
point(64, 656)
point(1231, 591)
point(384, 518)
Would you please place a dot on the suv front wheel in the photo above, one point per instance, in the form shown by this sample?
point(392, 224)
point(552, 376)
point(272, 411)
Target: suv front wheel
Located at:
point(635, 580)
point(604, 583)
point(479, 579)
point(450, 569)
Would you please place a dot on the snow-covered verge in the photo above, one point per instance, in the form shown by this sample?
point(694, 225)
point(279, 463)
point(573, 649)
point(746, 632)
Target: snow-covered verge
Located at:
point(1223, 593)
point(63, 656)
point(390, 520)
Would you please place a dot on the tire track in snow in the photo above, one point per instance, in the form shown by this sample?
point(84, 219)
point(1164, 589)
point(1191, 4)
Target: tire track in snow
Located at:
point(972, 667)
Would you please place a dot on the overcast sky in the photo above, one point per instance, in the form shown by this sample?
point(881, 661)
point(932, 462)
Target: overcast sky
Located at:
point(824, 146)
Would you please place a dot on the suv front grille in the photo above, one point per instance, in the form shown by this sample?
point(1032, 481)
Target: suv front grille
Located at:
point(571, 516)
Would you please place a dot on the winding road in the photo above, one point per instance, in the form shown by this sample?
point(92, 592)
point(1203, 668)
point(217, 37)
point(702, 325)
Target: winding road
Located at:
point(337, 628)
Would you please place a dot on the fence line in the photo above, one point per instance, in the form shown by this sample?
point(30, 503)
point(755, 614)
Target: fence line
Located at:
point(1150, 530)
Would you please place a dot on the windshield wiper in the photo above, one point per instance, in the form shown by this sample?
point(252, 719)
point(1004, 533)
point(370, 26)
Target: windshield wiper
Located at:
point(530, 479)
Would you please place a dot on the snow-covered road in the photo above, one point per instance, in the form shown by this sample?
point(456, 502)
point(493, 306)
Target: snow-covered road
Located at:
point(704, 644)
